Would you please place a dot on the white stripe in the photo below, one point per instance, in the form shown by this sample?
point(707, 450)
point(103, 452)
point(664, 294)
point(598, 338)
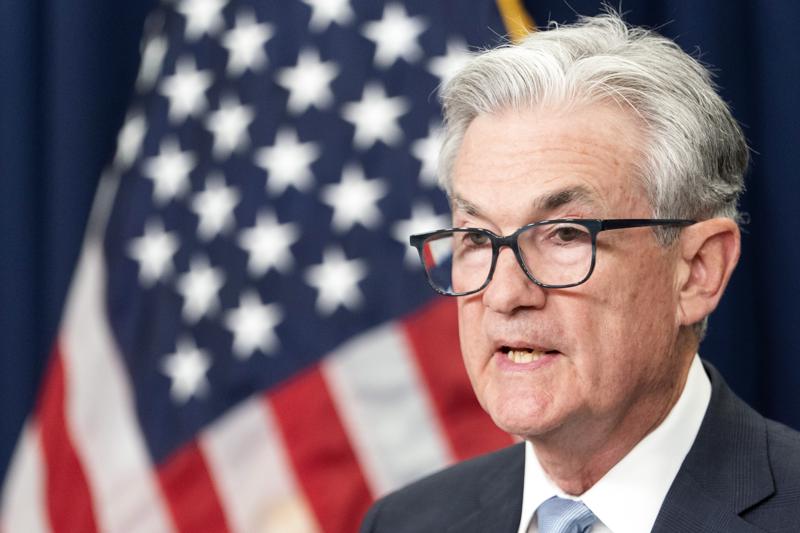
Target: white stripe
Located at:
point(389, 417)
point(245, 454)
point(100, 413)
point(23, 505)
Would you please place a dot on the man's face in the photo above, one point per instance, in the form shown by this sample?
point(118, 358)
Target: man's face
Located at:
point(604, 353)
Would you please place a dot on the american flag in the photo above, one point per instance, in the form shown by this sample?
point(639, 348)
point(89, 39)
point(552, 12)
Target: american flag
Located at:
point(248, 343)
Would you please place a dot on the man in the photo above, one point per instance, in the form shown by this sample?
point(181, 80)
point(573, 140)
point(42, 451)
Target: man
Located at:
point(593, 174)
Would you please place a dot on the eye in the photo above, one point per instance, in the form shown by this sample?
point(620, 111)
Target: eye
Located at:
point(476, 239)
point(569, 233)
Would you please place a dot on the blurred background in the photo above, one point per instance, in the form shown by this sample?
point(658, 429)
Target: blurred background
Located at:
point(71, 80)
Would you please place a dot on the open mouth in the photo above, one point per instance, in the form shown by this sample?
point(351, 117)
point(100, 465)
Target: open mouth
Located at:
point(525, 355)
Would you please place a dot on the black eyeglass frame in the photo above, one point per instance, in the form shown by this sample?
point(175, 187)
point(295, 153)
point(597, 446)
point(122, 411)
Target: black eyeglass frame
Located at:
point(594, 226)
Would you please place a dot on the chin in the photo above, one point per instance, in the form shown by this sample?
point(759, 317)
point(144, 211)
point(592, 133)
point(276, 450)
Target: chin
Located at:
point(523, 417)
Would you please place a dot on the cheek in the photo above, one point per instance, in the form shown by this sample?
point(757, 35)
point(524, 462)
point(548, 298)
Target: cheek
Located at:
point(628, 323)
point(469, 333)
point(634, 289)
point(651, 302)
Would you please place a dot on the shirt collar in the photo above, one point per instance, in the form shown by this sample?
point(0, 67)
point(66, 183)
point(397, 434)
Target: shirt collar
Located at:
point(628, 498)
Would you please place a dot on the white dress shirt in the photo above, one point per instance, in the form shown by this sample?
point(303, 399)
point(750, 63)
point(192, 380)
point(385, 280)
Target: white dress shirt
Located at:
point(628, 498)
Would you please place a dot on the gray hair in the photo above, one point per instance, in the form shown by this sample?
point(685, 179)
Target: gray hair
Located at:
point(694, 155)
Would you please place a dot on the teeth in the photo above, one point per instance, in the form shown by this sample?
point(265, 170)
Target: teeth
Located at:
point(524, 356)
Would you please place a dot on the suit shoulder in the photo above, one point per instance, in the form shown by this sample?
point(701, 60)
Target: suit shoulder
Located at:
point(433, 502)
point(784, 453)
point(780, 512)
point(461, 477)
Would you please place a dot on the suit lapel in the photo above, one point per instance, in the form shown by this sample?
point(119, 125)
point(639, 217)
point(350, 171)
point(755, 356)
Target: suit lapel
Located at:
point(500, 499)
point(726, 471)
point(694, 511)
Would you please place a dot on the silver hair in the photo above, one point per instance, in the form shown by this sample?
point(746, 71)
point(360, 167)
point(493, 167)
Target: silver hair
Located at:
point(694, 154)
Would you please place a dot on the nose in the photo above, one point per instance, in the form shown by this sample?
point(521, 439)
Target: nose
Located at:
point(510, 288)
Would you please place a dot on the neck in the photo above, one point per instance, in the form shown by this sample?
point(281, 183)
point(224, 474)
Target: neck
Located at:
point(575, 458)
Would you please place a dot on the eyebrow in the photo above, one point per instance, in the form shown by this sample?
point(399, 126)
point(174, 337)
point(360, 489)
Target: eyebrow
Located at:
point(559, 198)
point(547, 202)
point(456, 202)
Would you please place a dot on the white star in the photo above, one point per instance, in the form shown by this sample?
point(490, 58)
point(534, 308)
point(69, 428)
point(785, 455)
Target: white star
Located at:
point(153, 251)
point(308, 82)
point(202, 17)
point(444, 67)
point(153, 55)
point(324, 12)
point(214, 206)
point(129, 140)
point(169, 171)
point(354, 200)
point(427, 152)
point(186, 90)
point(336, 280)
point(229, 126)
point(199, 288)
point(288, 162)
point(395, 36)
point(245, 44)
point(253, 325)
point(187, 369)
point(423, 219)
point(267, 244)
point(375, 117)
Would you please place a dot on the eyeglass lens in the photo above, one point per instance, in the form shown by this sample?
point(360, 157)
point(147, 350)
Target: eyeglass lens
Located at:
point(460, 261)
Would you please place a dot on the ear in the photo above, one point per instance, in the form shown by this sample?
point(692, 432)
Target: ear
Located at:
point(709, 252)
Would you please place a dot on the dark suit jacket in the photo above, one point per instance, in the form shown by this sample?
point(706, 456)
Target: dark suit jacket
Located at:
point(742, 475)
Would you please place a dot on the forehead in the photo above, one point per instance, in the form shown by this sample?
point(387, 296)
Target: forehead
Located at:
point(540, 160)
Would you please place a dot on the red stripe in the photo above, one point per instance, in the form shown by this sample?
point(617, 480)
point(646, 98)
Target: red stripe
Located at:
point(190, 492)
point(433, 334)
point(321, 455)
point(69, 502)
point(427, 256)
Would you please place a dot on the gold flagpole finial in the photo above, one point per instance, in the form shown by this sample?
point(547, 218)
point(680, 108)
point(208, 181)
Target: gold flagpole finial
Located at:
point(516, 19)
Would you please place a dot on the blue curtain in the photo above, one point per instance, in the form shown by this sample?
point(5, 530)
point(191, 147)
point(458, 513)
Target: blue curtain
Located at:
point(68, 70)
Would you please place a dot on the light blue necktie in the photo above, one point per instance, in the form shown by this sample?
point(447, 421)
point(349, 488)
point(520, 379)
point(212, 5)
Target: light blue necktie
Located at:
point(559, 515)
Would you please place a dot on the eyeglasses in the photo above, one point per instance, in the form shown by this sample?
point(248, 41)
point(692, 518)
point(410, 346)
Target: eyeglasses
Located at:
point(554, 254)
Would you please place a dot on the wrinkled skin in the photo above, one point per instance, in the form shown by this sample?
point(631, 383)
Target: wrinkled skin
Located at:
point(622, 358)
